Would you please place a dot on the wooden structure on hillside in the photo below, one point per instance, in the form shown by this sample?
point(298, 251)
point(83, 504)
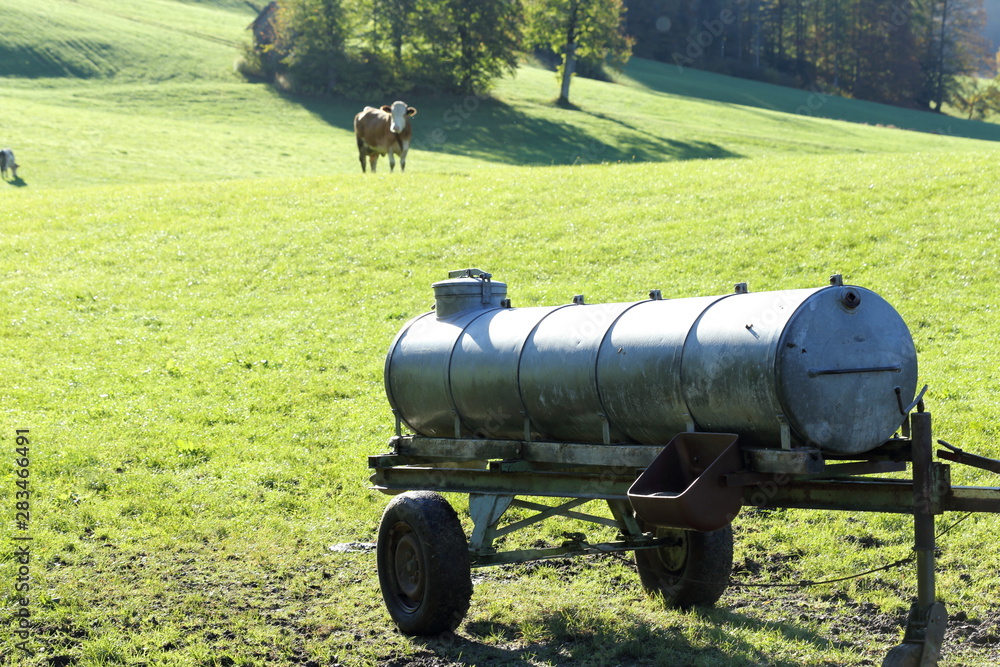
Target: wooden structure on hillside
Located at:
point(263, 26)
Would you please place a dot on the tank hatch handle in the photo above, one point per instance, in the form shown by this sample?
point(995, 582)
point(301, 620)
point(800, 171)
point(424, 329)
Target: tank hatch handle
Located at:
point(476, 273)
point(469, 273)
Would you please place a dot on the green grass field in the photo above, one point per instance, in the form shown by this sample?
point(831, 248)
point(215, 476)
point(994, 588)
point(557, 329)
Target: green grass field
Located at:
point(200, 287)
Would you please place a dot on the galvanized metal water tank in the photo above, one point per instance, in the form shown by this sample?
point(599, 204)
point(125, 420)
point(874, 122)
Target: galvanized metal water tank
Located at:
point(833, 364)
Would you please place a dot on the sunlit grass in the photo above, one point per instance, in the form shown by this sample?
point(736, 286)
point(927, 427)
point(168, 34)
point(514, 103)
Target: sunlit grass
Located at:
point(201, 364)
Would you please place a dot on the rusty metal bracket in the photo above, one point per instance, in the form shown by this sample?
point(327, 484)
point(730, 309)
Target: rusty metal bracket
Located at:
point(924, 636)
point(916, 401)
point(861, 468)
point(486, 510)
point(399, 422)
point(786, 433)
point(798, 461)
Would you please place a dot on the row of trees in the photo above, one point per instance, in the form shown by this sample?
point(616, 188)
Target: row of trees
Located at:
point(905, 52)
point(362, 47)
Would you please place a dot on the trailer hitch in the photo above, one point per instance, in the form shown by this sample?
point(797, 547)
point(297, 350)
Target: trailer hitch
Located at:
point(959, 456)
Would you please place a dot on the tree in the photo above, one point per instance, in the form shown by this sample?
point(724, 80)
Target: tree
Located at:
point(487, 40)
point(977, 100)
point(311, 34)
point(885, 56)
point(579, 29)
point(461, 46)
point(907, 52)
point(373, 47)
point(398, 13)
point(957, 48)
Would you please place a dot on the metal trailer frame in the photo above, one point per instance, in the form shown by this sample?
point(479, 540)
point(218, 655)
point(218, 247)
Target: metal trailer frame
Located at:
point(495, 472)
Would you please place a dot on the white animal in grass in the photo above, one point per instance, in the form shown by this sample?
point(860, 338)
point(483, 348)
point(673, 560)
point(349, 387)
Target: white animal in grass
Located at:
point(7, 162)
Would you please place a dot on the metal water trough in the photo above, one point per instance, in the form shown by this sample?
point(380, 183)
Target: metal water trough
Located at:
point(676, 413)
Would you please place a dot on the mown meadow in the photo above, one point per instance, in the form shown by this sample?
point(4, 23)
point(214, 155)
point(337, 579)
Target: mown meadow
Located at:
point(200, 287)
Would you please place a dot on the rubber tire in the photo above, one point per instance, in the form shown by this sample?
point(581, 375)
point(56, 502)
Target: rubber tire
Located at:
point(423, 564)
point(694, 573)
point(904, 655)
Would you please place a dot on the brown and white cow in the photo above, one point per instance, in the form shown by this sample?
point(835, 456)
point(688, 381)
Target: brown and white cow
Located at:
point(7, 162)
point(384, 130)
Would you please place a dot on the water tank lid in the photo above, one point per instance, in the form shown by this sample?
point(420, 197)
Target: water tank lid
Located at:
point(467, 289)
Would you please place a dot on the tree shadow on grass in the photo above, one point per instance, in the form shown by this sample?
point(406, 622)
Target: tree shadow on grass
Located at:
point(489, 129)
point(711, 87)
point(627, 641)
point(679, 150)
point(493, 130)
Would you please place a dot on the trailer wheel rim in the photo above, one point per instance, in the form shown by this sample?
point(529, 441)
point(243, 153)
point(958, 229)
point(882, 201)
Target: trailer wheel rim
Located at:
point(673, 557)
point(408, 569)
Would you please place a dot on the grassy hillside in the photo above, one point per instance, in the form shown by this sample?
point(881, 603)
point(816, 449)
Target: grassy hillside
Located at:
point(152, 40)
point(111, 92)
point(110, 132)
point(200, 287)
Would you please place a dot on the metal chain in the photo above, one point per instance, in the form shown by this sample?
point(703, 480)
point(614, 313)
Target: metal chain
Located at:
point(806, 583)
